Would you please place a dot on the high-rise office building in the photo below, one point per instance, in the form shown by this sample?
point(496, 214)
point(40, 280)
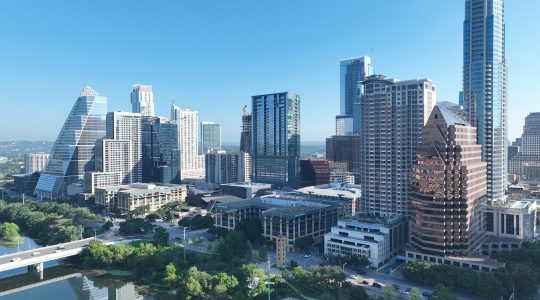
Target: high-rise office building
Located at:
point(150, 149)
point(393, 115)
point(73, 151)
point(191, 163)
point(276, 138)
point(35, 162)
point(352, 72)
point(142, 100)
point(245, 168)
point(126, 126)
point(169, 153)
point(210, 137)
point(448, 185)
point(221, 167)
point(485, 86)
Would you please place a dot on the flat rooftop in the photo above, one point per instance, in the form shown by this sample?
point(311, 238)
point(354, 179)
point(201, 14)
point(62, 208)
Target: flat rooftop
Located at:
point(248, 184)
point(271, 208)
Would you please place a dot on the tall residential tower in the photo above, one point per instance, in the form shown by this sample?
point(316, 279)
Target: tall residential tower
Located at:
point(142, 100)
point(485, 86)
point(191, 163)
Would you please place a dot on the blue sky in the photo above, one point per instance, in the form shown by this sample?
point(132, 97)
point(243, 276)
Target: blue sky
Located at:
point(212, 56)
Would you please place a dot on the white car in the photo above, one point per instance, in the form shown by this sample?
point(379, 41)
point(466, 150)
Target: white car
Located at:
point(35, 253)
point(307, 256)
point(61, 247)
point(15, 259)
point(352, 276)
point(57, 250)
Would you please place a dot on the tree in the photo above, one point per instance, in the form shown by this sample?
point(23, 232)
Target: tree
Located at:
point(161, 236)
point(9, 232)
point(97, 254)
point(170, 274)
point(414, 294)
point(234, 245)
point(389, 292)
point(443, 293)
point(141, 210)
point(251, 228)
point(298, 273)
point(304, 243)
point(358, 293)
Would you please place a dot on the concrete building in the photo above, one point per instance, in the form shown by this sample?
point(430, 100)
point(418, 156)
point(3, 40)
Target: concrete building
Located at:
point(339, 192)
point(314, 172)
point(221, 167)
point(124, 128)
point(393, 115)
point(280, 217)
point(245, 190)
point(508, 224)
point(142, 100)
point(129, 197)
point(340, 176)
point(246, 166)
point(117, 156)
point(210, 137)
point(448, 186)
point(526, 163)
point(93, 180)
point(345, 149)
point(485, 73)
point(35, 162)
point(191, 163)
point(276, 138)
point(377, 239)
point(73, 150)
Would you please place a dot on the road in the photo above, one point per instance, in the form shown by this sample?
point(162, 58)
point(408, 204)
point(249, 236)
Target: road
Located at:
point(43, 251)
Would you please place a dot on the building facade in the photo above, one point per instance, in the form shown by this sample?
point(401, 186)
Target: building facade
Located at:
point(122, 128)
point(142, 100)
point(221, 167)
point(526, 162)
point(73, 150)
point(129, 197)
point(377, 239)
point(352, 72)
point(314, 172)
point(276, 138)
point(210, 137)
point(93, 180)
point(393, 115)
point(246, 169)
point(345, 149)
point(485, 86)
point(191, 163)
point(35, 162)
point(448, 186)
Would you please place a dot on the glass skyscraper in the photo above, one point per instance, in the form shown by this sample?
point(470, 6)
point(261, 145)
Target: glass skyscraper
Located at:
point(142, 100)
point(352, 72)
point(276, 138)
point(210, 137)
point(73, 151)
point(484, 86)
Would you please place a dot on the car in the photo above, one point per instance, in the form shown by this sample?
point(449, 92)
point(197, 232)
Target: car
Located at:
point(61, 246)
point(15, 259)
point(35, 253)
point(352, 276)
point(177, 238)
point(396, 287)
point(377, 285)
point(57, 250)
point(364, 282)
point(426, 294)
point(307, 255)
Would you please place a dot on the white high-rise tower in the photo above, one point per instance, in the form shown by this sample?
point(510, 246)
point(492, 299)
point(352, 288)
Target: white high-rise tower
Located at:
point(191, 163)
point(142, 100)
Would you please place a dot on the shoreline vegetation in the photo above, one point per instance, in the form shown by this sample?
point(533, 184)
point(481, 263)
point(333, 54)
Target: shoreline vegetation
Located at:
point(9, 234)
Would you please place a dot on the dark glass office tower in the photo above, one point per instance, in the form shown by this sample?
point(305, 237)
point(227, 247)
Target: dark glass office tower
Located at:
point(276, 138)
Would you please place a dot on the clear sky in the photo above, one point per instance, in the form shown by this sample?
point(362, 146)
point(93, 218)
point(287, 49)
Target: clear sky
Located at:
point(212, 56)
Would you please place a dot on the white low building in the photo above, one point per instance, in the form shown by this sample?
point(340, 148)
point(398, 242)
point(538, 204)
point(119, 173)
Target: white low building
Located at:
point(377, 239)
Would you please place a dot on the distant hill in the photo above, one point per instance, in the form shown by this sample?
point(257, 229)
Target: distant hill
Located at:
point(15, 148)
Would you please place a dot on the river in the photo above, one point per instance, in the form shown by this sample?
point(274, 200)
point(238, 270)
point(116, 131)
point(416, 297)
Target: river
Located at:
point(61, 282)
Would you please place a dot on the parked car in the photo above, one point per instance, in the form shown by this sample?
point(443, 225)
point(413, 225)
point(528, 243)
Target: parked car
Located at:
point(364, 282)
point(396, 286)
point(377, 285)
point(307, 255)
point(15, 259)
point(352, 276)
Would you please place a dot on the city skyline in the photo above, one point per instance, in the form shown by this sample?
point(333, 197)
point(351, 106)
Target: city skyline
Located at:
point(239, 53)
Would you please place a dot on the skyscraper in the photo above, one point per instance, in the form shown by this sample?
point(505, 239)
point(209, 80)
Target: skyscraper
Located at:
point(221, 167)
point(276, 138)
point(142, 100)
point(352, 72)
point(191, 163)
point(393, 115)
point(485, 86)
point(448, 185)
point(245, 168)
point(345, 149)
point(73, 151)
point(210, 137)
point(150, 149)
point(126, 126)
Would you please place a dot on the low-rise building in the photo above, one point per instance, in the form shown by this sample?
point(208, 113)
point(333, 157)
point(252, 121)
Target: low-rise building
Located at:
point(245, 190)
point(93, 180)
point(280, 217)
point(376, 238)
point(342, 192)
point(129, 197)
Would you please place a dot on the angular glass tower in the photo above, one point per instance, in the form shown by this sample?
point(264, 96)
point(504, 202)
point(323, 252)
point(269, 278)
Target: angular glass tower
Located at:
point(73, 151)
point(484, 86)
point(210, 137)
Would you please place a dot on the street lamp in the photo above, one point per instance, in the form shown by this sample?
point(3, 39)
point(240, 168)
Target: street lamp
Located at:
point(343, 267)
point(184, 244)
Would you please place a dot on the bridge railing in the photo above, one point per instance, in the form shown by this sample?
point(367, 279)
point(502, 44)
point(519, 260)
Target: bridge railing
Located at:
point(15, 254)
